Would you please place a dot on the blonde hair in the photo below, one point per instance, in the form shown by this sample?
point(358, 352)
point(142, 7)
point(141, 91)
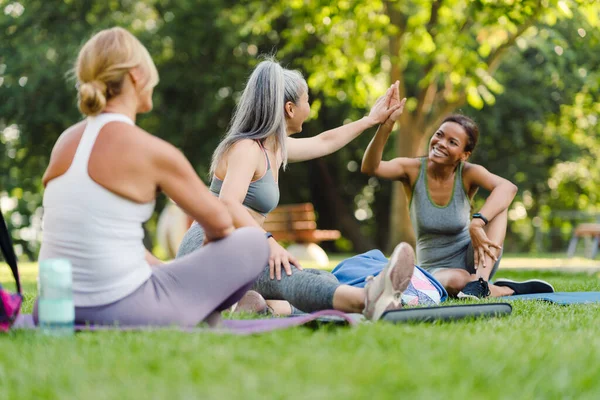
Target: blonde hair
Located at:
point(102, 65)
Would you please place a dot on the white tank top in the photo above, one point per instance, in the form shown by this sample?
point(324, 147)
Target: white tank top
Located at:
point(99, 231)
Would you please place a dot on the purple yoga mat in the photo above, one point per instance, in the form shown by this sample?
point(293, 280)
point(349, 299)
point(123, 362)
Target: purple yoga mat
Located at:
point(231, 326)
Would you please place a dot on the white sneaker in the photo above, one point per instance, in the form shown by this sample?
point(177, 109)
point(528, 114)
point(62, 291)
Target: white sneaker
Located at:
point(384, 292)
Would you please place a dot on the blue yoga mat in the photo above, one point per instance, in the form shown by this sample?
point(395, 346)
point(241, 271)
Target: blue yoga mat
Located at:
point(562, 298)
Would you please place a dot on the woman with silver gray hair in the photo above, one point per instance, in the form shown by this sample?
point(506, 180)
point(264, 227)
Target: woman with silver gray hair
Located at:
point(245, 171)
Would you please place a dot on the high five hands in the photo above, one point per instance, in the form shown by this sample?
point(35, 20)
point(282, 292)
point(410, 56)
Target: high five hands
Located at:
point(396, 102)
point(387, 106)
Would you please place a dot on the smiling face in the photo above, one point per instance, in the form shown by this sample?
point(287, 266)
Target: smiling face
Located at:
point(297, 113)
point(447, 145)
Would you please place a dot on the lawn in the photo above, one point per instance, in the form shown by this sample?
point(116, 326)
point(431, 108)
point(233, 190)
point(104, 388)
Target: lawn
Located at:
point(540, 351)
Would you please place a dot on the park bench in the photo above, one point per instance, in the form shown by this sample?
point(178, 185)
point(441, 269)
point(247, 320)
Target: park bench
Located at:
point(587, 231)
point(294, 223)
point(297, 223)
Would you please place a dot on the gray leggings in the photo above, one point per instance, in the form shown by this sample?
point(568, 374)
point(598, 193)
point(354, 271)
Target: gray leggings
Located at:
point(308, 290)
point(188, 290)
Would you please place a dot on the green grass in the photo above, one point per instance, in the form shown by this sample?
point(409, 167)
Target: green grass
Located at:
point(540, 351)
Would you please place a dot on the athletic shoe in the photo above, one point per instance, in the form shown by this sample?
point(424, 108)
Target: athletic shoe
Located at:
point(526, 287)
point(251, 302)
point(476, 290)
point(384, 292)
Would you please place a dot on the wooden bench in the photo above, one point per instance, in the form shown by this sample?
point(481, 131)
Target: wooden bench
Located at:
point(297, 223)
point(591, 231)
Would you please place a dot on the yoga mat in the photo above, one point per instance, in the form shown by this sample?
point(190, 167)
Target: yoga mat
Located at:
point(230, 326)
point(329, 317)
point(447, 313)
point(562, 298)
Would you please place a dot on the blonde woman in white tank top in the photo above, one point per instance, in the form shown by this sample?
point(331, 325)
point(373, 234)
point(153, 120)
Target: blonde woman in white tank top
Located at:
point(101, 184)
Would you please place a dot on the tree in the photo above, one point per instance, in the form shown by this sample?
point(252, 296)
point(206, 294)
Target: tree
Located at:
point(39, 47)
point(190, 42)
point(545, 80)
point(445, 54)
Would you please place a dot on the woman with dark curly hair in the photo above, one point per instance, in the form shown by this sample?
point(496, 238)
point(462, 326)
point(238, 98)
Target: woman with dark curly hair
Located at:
point(462, 251)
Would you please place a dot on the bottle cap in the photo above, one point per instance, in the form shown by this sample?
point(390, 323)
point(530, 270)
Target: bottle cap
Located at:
point(55, 272)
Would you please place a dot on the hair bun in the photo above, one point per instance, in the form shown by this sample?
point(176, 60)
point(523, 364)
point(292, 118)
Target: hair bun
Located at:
point(92, 97)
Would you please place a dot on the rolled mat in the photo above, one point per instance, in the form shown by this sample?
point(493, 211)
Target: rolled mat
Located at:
point(447, 313)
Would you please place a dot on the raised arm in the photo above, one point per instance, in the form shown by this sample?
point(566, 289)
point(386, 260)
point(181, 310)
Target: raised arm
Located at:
point(179, 181)
point(334, 139)
point(371, 163)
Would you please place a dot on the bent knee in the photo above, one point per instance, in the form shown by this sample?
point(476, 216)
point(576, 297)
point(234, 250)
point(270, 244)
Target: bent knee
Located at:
point(252, 245)
point(454, 281)
point(191, 241)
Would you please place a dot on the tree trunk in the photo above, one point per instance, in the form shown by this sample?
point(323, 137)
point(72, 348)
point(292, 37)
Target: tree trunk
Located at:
point(334, 212)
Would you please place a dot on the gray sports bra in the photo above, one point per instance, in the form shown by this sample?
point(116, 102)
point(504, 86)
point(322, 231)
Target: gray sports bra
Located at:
point(263, 193)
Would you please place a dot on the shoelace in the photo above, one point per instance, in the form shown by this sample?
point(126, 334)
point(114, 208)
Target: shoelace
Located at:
point(485, 287)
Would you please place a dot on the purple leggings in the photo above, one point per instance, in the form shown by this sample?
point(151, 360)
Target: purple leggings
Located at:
point(188, 290)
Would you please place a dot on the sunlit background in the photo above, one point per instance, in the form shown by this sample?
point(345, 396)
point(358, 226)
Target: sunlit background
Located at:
point(526, 71)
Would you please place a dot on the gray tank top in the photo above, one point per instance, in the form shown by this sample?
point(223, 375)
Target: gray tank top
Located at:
point(263, 193)
point(442, 231)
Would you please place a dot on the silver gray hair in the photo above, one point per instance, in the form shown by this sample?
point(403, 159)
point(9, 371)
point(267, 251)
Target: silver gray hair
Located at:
point(260, 112)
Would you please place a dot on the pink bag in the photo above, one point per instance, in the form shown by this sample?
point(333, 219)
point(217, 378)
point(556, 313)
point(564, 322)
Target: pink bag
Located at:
point(10, 303)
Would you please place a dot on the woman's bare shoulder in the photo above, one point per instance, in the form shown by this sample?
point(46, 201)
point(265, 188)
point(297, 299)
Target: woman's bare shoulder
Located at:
point(411, 162)
point(70, 136)
point(243, 150)
point(63, 151)
point(469, 169)
point(411, 166)
point(245, 145)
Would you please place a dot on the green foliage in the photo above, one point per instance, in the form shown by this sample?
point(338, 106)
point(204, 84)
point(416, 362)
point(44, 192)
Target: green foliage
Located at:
point(445, 54)
point(450, 47)
point(190, 43)
point(542, 133)
point(499, 57)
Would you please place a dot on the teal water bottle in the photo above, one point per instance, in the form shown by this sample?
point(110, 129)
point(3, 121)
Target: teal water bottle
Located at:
point(56, 311)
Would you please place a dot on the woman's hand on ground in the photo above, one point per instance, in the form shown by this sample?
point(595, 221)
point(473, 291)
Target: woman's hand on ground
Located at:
point(482, 245)
point(280, 257)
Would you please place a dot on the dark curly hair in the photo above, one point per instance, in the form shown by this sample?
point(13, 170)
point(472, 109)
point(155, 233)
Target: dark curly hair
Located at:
point(469, 126)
